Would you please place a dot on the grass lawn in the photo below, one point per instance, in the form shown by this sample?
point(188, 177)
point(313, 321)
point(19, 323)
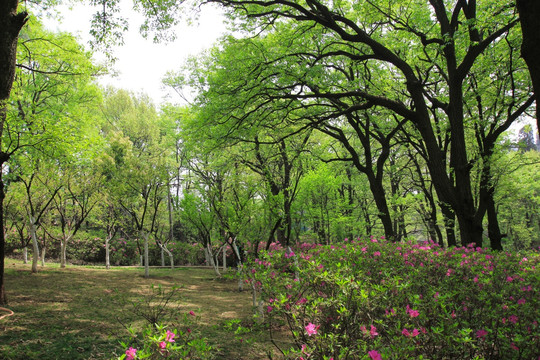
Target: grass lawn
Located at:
point(77, 312)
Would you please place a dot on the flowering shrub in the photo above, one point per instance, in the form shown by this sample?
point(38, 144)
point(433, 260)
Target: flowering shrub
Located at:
point(371, 299)
point(159, 342)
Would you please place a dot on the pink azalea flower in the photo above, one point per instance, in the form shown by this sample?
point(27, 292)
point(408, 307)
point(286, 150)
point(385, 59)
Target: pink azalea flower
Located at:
point(170, 336)
point(269, 308)
point(162, 345)
point(311, 329)
point(192, 313)
point(521, 301)
point(481, 333)
point(373, 332)
point(405, 332)
point(513, 319)
point(374, 355)
point(377, 253)
point(363, 330)
point(131, 353)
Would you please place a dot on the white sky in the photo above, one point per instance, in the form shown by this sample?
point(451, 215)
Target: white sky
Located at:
point(141, 64)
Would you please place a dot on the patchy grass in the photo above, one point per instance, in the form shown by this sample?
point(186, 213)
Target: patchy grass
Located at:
point(80, 312)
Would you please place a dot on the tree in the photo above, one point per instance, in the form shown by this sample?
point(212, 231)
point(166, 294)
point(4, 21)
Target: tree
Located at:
point(11, 23)
point(529, 12)
point(74, 201)
point(136, 161)
point(423, 55)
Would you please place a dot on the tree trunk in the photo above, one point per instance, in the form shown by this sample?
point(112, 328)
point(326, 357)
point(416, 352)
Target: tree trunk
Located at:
point(379, 196)
point(494, 231)
point(239, 266)
point(145, 236)
point(449, 219)
point(171, 258)
point(529, 13)
point(107, 253)
point(224, 258)
point(162, 253)
point(471, 231)
point(35, 255)
point(25, 255)
point(63, 251)
point(43, 251)
point(210, 257)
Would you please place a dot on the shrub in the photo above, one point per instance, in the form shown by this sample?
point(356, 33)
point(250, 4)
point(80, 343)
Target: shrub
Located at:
point(374, 299)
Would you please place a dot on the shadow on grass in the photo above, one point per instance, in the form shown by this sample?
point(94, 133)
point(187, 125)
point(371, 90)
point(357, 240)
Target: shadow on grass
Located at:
point(78, 312)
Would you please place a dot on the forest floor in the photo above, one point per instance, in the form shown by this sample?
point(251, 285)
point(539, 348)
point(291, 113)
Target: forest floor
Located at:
point(80, 312)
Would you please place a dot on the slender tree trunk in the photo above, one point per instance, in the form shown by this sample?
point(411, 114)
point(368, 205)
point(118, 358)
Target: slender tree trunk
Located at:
point(33, 234)
point(239, 266)
point(171, 258)
point(224, 258)
point(107, 252)
point(63, 251)
point(43, 251)
point(25, 254)
point(210, 256)
point(145, 236)
point(162, 253)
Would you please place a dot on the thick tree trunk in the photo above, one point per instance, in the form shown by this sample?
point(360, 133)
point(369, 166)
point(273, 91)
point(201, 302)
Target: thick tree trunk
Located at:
point(11, 24)
point(449, 219)
point(494, 231)
point(471, 230)
point(529, 13)
point(382, 206)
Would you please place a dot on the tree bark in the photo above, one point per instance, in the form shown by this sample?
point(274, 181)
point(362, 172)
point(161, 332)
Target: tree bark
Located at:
point(43, 251)
point(33, 234)
point(145, 236)
point(529, 13)
point(63, 258)
point(449, 219)
point(107, 253)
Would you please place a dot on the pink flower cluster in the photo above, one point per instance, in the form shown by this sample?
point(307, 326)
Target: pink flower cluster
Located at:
point(311, 329)
point(131, 353)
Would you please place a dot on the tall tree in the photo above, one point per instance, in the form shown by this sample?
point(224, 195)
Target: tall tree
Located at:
point(11, 23)
point(529, 13)
point(423, 56)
